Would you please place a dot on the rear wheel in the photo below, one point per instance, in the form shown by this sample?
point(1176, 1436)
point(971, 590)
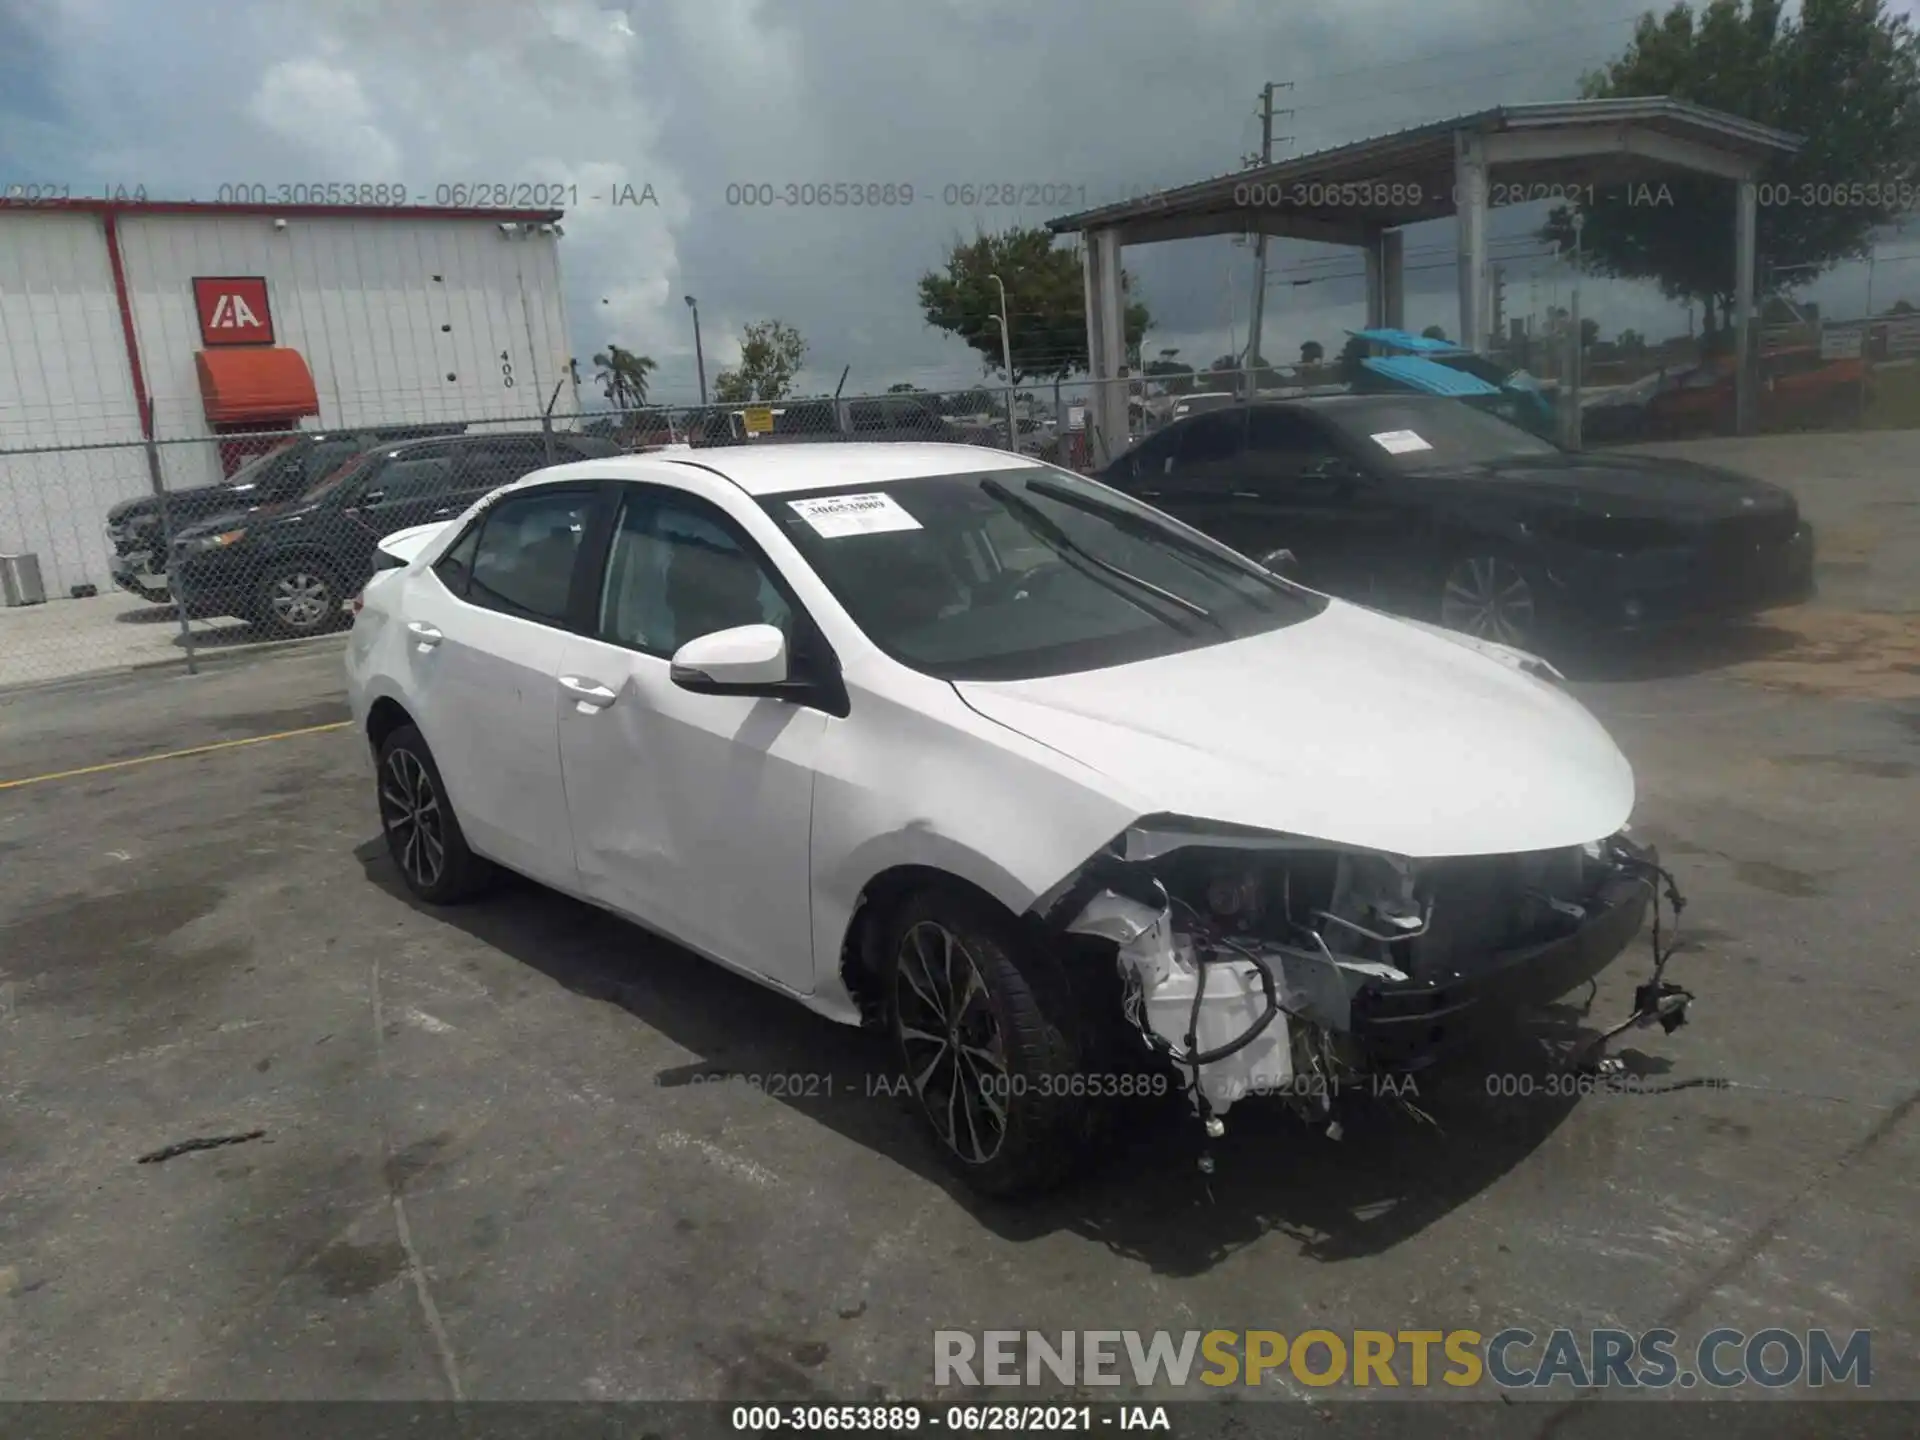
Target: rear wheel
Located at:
point(423, 833)
point(298, 597)
point(987, 1034)
point(1491, 596)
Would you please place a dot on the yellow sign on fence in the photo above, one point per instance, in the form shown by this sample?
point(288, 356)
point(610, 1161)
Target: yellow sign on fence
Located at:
point(758, 420)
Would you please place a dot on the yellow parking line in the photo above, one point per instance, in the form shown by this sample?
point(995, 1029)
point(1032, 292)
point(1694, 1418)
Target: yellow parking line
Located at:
point(172, 755)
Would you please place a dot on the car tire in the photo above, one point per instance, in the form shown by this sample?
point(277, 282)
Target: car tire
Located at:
point(1489, 592)
point(987, 1033)
point(424, 837)
point(297, 598)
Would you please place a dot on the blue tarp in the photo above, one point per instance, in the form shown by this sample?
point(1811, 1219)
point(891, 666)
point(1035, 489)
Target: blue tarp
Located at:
point(1407, 340)
point(1428, 376)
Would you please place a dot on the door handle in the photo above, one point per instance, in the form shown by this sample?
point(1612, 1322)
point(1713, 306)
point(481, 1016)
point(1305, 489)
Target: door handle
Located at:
point(424, 633)
point(373, 497)
point(591, 694)
point(1246, 495)
point(443, 510)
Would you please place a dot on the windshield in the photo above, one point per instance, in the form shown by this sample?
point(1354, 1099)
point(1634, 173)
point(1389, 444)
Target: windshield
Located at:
point(255, 470)
point(1018, 573)
point(1413, 433)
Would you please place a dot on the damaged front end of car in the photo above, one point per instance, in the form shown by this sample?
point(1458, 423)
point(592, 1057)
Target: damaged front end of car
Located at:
point(1268, 964)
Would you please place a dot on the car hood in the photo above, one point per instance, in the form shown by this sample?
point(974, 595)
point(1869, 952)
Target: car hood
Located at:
point(198, 497)
point(1635, 485)
point(238, 517)
point(1351, 727)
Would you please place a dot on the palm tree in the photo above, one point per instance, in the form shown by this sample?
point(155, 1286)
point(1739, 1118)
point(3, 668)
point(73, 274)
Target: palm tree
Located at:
point(622, 376)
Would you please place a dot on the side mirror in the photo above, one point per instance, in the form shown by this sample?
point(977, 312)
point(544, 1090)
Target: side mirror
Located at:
point(1280, 562)
point(745, 659)
point(1334, 469)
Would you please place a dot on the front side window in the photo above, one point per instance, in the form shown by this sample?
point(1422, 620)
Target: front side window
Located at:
point(1023, 572)
point(524, 560)
point(677, 571)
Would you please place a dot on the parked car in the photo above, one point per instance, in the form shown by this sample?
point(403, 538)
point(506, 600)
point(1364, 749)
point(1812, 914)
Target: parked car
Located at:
point(1798, 387)
point(1066, 798)
point(1421, 365)
point(1203, 401)
point(1619, 416)
point(287, 568)
point(1436, 510)
point(139, 541)
point(889, 418)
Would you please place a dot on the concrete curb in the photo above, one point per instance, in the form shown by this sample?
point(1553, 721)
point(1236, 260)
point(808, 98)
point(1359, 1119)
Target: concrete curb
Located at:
point(224, 656)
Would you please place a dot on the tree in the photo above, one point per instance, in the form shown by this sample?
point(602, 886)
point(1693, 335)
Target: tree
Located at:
point(1433, 332)
point(1589, 332)
point(1631, 342)
point(905, 387)
point(1901, 307)
point(1312, 352)
point(1174, 378)
point(1047, 331)
point(622, 377)
point(770, 357)
point(1843, 73)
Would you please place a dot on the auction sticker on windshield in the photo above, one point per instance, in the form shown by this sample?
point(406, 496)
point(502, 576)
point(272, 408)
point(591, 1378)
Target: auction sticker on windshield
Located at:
point(837, 516)
point(1400, 442)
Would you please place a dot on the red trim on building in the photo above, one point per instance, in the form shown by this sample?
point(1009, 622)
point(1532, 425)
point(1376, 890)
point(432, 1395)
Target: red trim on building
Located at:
point(140, 400)
point(300, 212)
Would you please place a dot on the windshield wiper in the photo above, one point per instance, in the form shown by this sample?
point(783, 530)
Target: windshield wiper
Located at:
point(1043, 525)
point(1145, 529)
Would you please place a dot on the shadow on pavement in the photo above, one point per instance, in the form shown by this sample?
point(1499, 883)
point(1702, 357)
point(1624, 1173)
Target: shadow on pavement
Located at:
point(1672, 655)
point(1390, 1177)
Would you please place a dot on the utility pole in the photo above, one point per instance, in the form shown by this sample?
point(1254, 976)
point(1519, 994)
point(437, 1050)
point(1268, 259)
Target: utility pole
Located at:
point(1499, 298)
point(1260, 241)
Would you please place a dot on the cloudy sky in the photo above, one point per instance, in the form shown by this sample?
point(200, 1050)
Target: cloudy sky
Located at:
point(1100, 98)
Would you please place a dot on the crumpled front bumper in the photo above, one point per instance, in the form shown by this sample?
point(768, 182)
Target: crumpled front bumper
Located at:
point(1407, 1024)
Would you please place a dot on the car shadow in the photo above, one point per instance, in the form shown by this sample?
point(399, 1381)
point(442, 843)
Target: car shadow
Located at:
point(1403, 1163)
point(1672, 654)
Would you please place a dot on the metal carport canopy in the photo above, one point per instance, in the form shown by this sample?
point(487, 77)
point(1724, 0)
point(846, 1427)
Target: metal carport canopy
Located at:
point(1364, 193)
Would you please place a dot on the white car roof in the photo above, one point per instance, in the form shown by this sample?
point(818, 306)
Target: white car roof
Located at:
point(779, 469)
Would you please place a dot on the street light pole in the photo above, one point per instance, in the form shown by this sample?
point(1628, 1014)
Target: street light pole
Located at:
point(1006, 363)
point(699, 355)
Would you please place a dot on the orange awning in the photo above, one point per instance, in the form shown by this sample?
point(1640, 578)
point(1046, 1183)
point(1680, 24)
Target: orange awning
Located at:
point(266, 382)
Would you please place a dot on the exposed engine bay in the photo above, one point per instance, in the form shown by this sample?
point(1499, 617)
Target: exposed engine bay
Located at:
point(1269, 965)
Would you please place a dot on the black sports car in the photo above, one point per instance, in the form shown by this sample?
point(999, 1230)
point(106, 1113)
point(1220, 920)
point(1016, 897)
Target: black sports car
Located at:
point(1435, 510)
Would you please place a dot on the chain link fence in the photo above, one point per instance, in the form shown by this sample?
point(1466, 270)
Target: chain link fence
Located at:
point(167, 552)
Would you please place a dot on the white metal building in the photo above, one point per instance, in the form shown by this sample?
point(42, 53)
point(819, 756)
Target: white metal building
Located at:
point(177, 321)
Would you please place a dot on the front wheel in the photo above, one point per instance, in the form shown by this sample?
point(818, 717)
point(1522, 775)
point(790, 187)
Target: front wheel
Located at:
point(1491, 597)
point(986, 1033)
point(297, 598)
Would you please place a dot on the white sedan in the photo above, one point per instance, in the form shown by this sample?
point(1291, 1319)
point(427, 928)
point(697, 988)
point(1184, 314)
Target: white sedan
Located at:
point(1075, 802)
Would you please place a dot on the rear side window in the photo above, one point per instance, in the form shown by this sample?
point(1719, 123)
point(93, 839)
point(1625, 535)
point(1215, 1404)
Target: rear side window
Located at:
point(1212, 437)
point(456, 565)
point(410, 479)
point(527, 547)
